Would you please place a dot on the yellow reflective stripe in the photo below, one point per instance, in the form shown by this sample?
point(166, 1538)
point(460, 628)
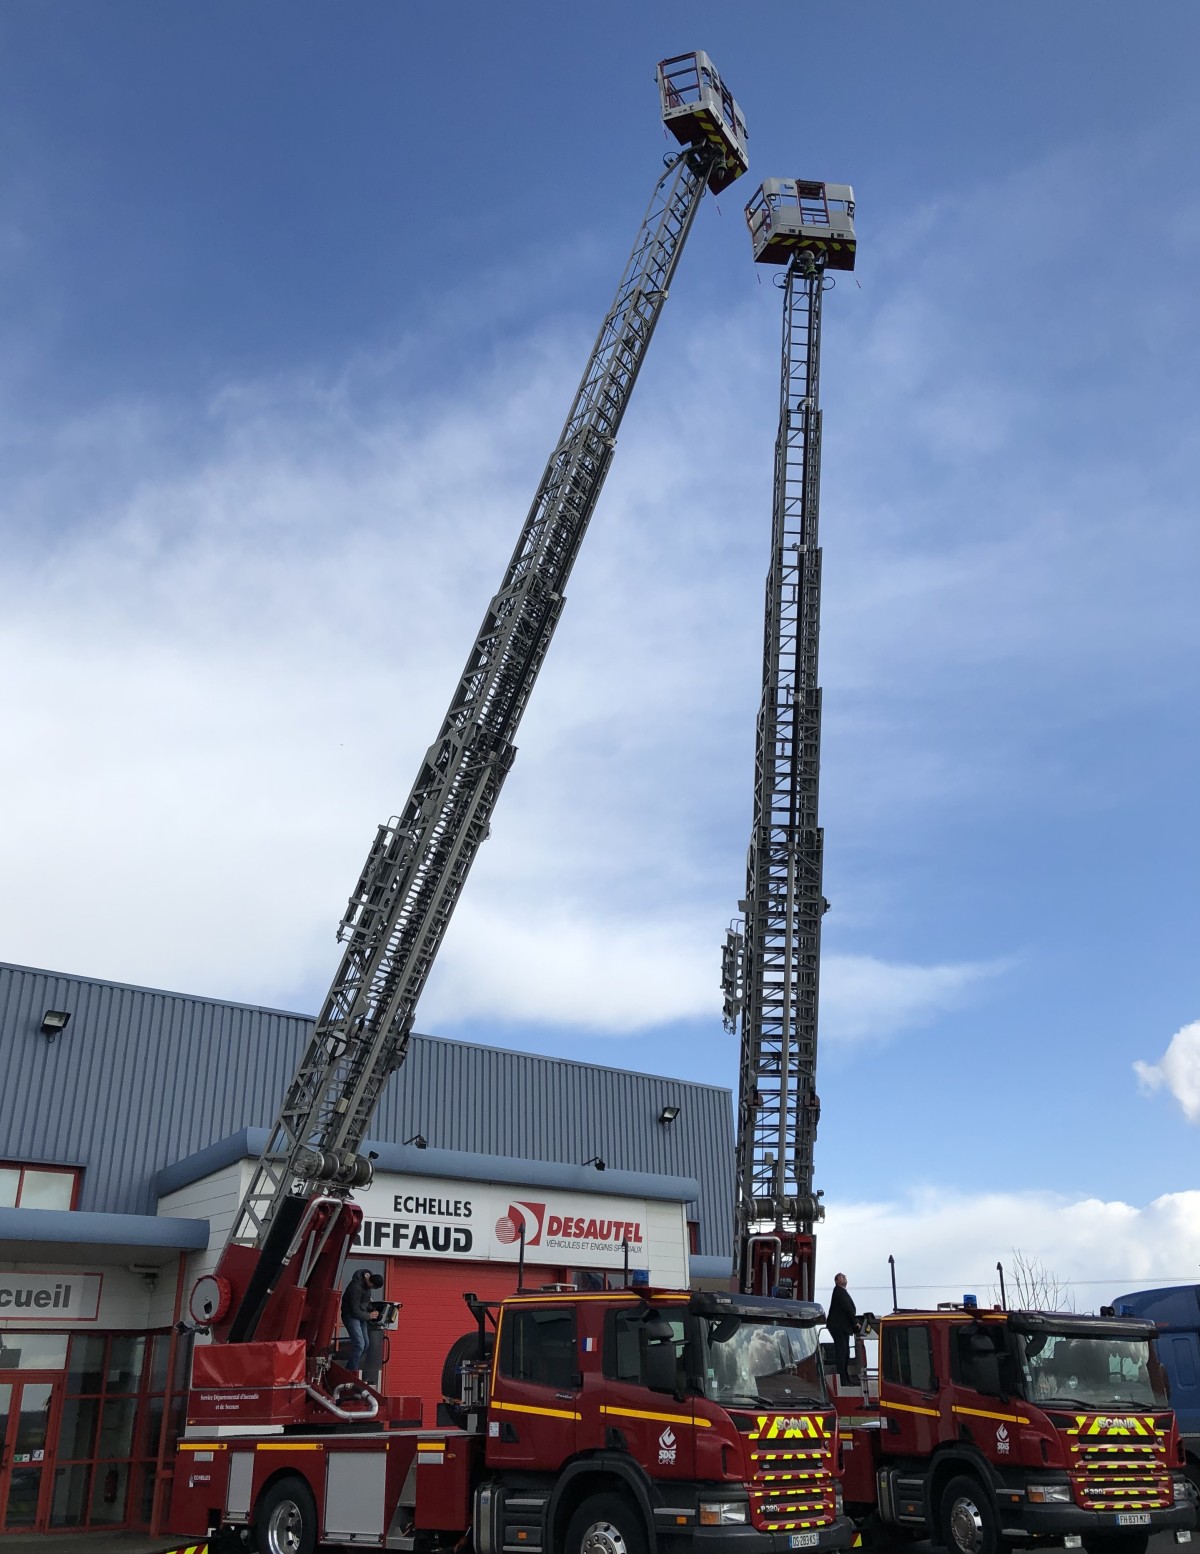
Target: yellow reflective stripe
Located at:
point(528, 1408)
point(566, 1297)
point(944, 1316)
point(641, 1413)
point(910, 1408)
point(202, 1446)
point(982, 1413)
point(290, 1446)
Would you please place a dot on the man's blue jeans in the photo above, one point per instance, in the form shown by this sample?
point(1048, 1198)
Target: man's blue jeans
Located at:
point(357, 1329)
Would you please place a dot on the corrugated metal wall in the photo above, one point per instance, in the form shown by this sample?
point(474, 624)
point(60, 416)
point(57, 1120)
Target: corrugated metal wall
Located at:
point(142, 1078)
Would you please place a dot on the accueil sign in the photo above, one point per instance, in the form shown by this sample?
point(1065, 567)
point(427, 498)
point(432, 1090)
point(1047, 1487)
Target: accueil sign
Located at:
point(50, 1297)
point(404, 1217)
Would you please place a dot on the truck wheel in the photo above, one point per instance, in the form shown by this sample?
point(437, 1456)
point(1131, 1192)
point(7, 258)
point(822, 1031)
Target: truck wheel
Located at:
point(285, 1521)
point(606, 1524)
point(968, 1520)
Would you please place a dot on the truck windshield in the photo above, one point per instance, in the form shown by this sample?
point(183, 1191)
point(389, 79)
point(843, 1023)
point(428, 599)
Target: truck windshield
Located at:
point(748, 1362)
point(1091, 1372)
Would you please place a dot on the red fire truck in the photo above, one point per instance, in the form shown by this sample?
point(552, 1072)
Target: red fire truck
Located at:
point(994, 1428)
point(621, 1422)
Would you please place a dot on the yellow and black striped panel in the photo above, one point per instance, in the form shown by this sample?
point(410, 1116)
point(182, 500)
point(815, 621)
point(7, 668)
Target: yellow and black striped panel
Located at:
point(1129, 1474)
point(792, 1488)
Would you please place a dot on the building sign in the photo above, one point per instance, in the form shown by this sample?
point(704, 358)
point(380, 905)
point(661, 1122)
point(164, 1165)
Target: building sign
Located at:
point(415, 1217)
point(49, 1297)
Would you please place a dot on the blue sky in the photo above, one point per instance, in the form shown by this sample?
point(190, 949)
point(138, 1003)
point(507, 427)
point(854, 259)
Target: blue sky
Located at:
point(292, 302)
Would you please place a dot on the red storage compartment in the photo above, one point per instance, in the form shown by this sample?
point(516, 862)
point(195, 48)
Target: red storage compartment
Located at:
point(278, 1364)
point(247, 1383)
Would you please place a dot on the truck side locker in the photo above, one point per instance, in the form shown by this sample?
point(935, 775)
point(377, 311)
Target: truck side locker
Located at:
point(903, 1501)
point(354, 1494)
point(239, 1487)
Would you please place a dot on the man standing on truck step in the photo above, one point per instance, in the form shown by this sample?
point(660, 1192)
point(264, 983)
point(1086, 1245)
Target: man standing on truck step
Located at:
point(842, 1323)
point(358, 1310)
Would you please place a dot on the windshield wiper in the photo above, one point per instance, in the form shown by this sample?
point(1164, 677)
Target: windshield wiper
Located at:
point(1061, 1403)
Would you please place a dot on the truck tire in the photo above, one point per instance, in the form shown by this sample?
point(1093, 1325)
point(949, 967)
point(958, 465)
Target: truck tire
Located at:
point(1117, 1542)
point(606, 1524)
point(285, 1519)
point(463, 1351)
point(968, 1520)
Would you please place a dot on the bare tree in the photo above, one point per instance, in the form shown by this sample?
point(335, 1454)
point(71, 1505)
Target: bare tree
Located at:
point(1031, 1286)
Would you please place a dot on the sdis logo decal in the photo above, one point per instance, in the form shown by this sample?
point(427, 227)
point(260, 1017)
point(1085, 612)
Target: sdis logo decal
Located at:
point(666, 1446)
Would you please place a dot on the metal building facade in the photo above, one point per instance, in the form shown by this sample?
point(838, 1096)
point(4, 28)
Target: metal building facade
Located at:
point(141, 1078)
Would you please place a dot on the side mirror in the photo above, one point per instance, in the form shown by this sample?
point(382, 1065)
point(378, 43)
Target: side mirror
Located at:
point(658, 1367)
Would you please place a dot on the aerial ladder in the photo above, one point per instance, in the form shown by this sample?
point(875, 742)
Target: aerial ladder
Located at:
point(771, 959)
point(275, 1287)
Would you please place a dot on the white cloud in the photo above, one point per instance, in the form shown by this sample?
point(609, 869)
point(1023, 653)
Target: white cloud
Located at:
point(577, 968)
point(577, 971)
point(862, 997)
point(1178, 1069)
point(947, 1243)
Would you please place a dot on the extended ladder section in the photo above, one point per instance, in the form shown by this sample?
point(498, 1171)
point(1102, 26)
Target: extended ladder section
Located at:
point(414, 874)
point(772, 956)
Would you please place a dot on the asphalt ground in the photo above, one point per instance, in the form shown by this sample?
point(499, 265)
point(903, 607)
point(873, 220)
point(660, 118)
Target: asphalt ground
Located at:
point(138, 1543)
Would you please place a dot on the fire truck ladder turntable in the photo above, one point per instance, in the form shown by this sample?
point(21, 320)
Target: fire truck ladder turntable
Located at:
point(771, 960)
point(399, 911)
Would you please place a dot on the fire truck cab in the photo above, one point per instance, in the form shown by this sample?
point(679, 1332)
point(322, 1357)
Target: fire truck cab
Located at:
point(987, 1429)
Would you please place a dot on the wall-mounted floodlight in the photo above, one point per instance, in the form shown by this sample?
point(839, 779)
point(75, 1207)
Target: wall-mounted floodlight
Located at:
point(668, 1114)
point(596, 1161)
point(54, 1023)
point(419, 1140)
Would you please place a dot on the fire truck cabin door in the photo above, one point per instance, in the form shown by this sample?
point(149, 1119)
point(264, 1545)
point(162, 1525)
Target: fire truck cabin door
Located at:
point(534, 1411)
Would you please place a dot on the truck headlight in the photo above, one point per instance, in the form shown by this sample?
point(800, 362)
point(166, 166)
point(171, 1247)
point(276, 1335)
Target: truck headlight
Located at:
point(723, 1513)
point(1181, 1489)
point(1045, 1494)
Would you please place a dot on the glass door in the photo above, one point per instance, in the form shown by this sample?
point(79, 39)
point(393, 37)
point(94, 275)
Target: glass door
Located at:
point(27, 1418)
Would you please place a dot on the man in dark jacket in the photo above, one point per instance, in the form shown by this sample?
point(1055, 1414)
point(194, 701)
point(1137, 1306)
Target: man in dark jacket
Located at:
point(358, 1311)
point(842, 1323)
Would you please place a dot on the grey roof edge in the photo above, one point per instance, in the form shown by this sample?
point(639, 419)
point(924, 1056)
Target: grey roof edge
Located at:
point(247, 1144)
point(69, 1227)
point(534, 1173)
point(711, 1267)
point(296, 1014)
point(408, 1160)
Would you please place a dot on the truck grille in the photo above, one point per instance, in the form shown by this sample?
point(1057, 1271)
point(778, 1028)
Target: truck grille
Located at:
point(1127, 1476)
point(791, 1487)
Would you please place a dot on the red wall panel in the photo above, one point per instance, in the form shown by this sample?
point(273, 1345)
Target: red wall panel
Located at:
point(433, 1314)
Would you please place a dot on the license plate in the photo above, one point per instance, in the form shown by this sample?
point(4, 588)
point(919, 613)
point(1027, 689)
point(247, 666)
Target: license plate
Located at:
point(804, 1540)
point(1133, 1518)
